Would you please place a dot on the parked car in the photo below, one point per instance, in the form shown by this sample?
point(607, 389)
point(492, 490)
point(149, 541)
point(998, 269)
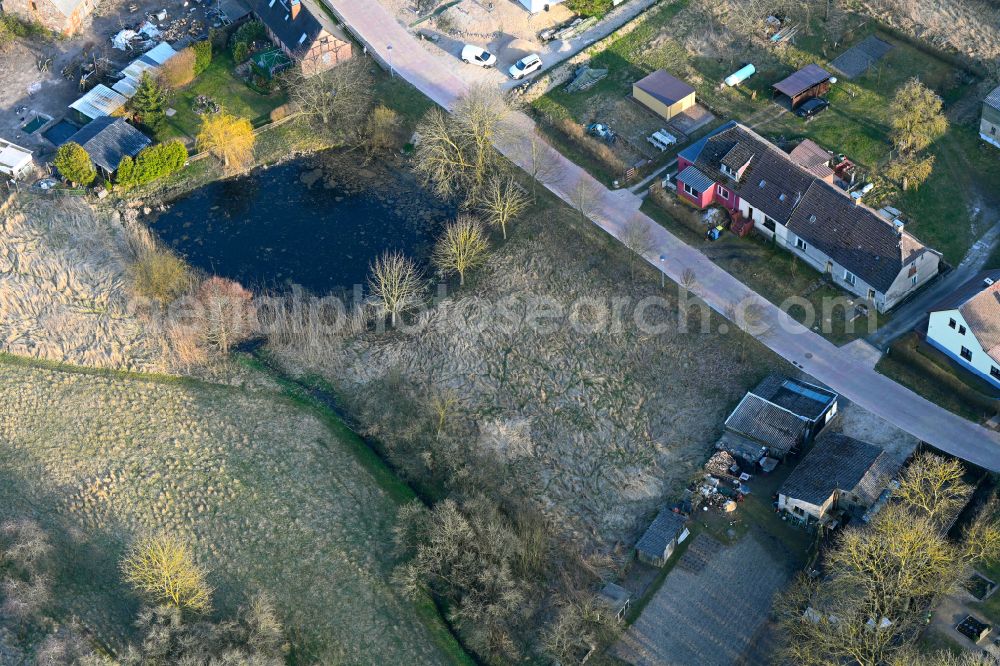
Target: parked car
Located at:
point(475, 55)
point(812, 108)
point(526, 65)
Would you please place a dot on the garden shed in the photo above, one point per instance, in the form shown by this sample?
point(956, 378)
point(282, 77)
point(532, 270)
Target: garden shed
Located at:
point(658, 543)
point(663, 94)
point(108, 140)
point(810, 81)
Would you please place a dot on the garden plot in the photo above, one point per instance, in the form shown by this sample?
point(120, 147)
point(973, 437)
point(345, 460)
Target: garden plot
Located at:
point(266, 493)
point(597, 427)
point(710, 608)
point(63, 286)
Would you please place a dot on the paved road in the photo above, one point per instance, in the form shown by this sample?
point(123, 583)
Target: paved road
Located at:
point(844, 370)
point(912, 314)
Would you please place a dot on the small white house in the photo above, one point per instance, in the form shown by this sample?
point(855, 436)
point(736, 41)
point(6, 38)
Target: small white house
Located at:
point(15, 161)
point(966, 326)
point(535, 6)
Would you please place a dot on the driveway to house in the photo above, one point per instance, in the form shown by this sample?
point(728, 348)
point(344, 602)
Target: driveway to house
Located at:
point(844, 371)
point(912, 313)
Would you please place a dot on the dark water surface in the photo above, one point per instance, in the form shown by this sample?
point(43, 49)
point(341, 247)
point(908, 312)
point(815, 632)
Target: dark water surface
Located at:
point(317, 222)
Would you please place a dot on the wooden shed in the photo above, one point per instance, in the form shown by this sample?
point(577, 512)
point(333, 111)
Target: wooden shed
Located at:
point(810, 81)
point(663, 94)
point(658, 543)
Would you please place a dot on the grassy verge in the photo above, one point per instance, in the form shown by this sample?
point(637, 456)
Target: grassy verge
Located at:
point(925, 371)
point(773, 273)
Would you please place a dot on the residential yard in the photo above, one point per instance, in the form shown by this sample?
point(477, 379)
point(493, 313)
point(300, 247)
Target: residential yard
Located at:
point(930, 373)
point(678, 37)
point(219, 83)
point(773, 273)
point(271, 493)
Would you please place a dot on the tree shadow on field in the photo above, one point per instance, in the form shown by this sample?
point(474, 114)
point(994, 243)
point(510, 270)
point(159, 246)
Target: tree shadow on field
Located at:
point(86, 584)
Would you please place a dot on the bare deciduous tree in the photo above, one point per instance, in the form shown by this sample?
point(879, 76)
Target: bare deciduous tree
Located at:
point(339, 98)
point(542, 163)
point(638, 238)
point(932, 485)
point(462, 246)
point(502, 201)
point(584, 198)
point(455, 153)
point(224, 313)
point(395, 283)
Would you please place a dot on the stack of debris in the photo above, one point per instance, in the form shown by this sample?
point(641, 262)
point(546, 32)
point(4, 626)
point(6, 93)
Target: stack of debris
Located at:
point(722, 464)
point(584, 78)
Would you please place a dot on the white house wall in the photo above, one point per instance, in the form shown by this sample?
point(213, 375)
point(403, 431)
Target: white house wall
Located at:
point(927, 265)
point(788, 504)
point(950, 341)
point(535, 6)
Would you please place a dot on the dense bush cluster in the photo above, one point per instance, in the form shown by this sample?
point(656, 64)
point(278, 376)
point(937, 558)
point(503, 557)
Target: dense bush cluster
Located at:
point(245, 36)
point(74, 164)
point(151, 163)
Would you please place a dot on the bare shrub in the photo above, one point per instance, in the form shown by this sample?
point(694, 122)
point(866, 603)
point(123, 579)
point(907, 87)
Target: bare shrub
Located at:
point(163, 568)
point(161, 276)
point(598, 149)
point(179, 70)
point(224, 313)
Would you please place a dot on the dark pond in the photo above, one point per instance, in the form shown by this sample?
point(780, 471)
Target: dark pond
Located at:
point(317, 222)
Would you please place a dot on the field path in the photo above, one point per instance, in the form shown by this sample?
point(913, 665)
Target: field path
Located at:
point(439, 77)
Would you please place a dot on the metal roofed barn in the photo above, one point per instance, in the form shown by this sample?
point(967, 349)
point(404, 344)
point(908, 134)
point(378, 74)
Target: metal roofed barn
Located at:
point(810, 81)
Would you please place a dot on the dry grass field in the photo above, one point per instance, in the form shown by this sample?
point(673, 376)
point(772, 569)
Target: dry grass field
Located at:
point(63, 293)
point(596, 427)
point(269, 495)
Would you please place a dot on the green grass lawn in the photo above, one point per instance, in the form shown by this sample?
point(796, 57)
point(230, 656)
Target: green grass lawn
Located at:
point(857, 123)
point(219, 83)
point(271, 492)
point(770, 271)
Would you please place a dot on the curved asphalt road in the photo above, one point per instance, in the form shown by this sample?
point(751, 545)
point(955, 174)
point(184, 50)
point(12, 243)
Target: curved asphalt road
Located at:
point(845, 371)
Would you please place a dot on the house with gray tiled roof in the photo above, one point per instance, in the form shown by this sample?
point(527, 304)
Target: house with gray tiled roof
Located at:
point(839, 474)
point(790, 202)
point(109, 140)
point(965, 325)
point(777, 417)
point(989, 125)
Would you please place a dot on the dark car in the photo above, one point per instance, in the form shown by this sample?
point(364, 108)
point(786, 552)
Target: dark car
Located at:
point(812, 108)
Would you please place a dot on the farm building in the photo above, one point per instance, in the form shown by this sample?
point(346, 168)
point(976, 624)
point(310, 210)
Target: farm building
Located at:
point(762, 186)
point(776, 418)
point(663, 94)
point(989, 125)
point(107, 140)
point(535, 6)
point(616, 599)
point(305, 33)
point(15, 161)
point(659, 541)
point(839, 474)
point(966, 326)
point(810, 81)
point(62, 16)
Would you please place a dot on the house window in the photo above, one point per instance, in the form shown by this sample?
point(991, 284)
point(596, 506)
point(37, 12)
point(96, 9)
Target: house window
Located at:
point(994, 372)
point(961, 330)
point(769, 223)
point(967, 354)
point(729, 172)
point(690, 190)
point(849, 278)
point(798, 510)
point(952, 323)
point(801, 244)
point(723, 192)
point(871, 294)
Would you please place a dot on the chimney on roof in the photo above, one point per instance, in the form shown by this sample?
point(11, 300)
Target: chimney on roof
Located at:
point(296, 6)
point(898, 225)
point(988, 282)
